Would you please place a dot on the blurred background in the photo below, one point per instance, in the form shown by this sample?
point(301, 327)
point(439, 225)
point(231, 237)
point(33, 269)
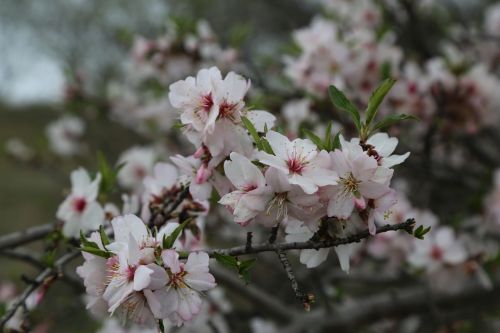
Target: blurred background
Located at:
point(69, 69)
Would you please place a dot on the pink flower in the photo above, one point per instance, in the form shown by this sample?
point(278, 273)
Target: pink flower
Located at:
point(360, 178)
point(80, 210)
point(180, 300)
point(300, 161)
point(138, 163)
point(251, 195)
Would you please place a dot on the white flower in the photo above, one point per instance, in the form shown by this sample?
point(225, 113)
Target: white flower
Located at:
point(300, 161)
point(492, 20)
point(251, 195)
point(297, 111)
point(381, 147)
point(64, 135)
point(180, 301)
point(196, 173)
point(440, 247)
point(360, 178)
point(80, 210)
point(162, 184)
point(139, 163)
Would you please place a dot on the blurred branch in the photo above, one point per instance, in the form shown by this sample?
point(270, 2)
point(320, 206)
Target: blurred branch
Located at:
point(265, 300)
point(394, 303)
point(43, 279)
point(25, 236)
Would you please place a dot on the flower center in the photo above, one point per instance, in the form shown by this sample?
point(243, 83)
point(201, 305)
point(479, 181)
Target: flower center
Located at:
point(436, 253)
point(295, 165)
point(226, 109)
point(139, 172)
point(349, 183)
point(207, 102)
point(79, 205)
point(177, 280)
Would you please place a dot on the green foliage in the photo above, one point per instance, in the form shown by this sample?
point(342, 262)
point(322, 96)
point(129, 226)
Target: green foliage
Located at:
point(377, 98)
point(260, 143)
point(340, 101)
point(242, 267)
point(92, 247)
point(168, 241)
point(421, 231)
point(108, 174)
point(391, 120)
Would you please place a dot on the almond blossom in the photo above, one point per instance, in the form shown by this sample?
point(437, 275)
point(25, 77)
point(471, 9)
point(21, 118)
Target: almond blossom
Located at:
point(137, 163)
point(438, 249)
point(180, 301)
point(65, 135)
point(80, 211)
point(251, 195)
point(300, 161)
point(360, 179)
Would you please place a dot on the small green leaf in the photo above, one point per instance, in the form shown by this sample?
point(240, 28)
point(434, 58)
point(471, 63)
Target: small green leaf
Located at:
point(314, 138)
point(391, 120)
point(266, 146)
point(161, 327)
point(86, 243)
point(168, 241)
point(336, 141)
point(377, 98)
point(421, 231)
point(253, 132)
point(97, 252)
point(341, 102)
point(104, 238)
point(244, 269)
point(228, 261)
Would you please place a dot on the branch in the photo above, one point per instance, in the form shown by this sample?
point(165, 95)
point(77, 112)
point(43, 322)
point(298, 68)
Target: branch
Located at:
point(25, 236)
point(48, 275)
point(267, 247)
point(394, 303)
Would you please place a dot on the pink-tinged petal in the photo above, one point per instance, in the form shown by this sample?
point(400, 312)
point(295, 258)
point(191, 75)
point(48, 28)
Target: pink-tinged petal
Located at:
point(243, 173)
point(313, 258)
point(123, 226)
point(200, 281)
point(455, 254)
point(200, 191)
point(171, 260)
point(163, 302)
point(384, 145)
point(279, 143)
point(372, 228)
point(277, 180)
point(165, 174)
point(372, 190)
point(92, 190)
point(304, 148)
point(344, 254)
point(382, 175)
point(341, 205)
point(182, 92)
point(116, 293)
point(92, 217)
point(189, 304)
point(261, 119)
point(339, 163)
point(258, 199)
point(273, 161)
point(305, 183)
point(363, 167)
point(393, 160)
point(197, 262)
point(80, 180)
point(231, 199)
point(359, 203)
point(321, 177)
point(142, 277)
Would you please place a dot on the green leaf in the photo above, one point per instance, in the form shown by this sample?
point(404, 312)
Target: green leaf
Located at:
point(314, 138)
point(86, 243)
point(253, 132)
point(391, 120)
point(266, 146)
point(244, 269)
point(97, 252)
point(377, 98)
point(108, 174)
point(104, 238)
point(421, 231)
point(161, 327)
point(336, 141)
point(228, 261)
point(341, 102)
point(168, 241)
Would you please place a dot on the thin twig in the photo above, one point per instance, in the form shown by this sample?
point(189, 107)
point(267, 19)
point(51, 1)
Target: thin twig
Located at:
point(25, 236)
point(48, 274)
point(267, 247)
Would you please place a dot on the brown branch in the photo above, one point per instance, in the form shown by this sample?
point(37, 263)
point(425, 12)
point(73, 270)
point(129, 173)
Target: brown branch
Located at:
point(25, 236)
point(273, 247)
point(48, 275)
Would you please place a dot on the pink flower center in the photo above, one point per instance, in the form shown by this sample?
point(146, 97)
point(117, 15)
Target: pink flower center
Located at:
point(249, 187)
point(131, 272)
point(412, 88)
point(177, 279)
point(79, 205)
point(226, 109)
point(436, 253)
point(207, 102)
point(139, 172)
point(295, 165)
